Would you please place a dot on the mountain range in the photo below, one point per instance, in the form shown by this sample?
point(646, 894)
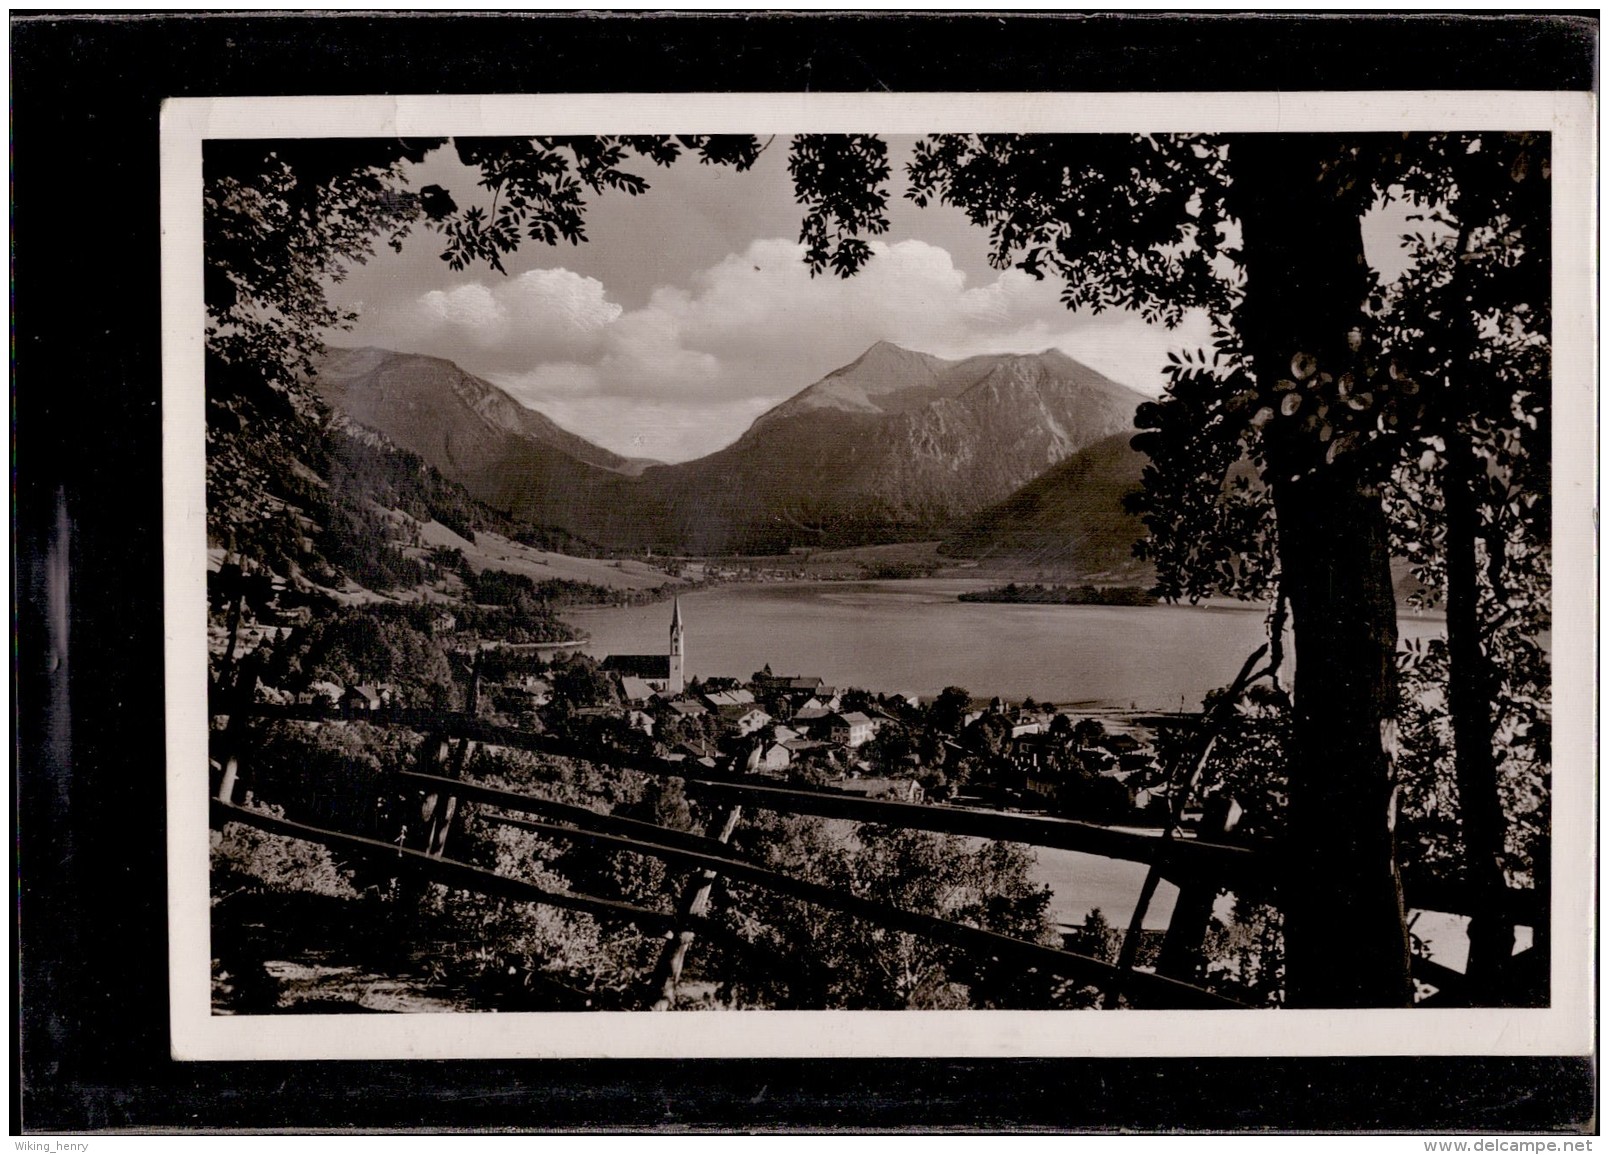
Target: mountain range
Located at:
point(896, 445)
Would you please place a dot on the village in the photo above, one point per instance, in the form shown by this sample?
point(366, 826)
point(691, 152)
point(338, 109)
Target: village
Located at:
point(795, 729)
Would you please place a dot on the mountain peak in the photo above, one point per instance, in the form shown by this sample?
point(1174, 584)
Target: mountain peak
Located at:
point(885, 356)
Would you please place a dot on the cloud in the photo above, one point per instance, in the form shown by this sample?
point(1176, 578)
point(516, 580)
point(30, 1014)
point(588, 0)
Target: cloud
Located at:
point(539, 316)
point(686, 372)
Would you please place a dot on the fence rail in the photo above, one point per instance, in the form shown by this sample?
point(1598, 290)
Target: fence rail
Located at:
point(1182, 859)
point(1248, 870)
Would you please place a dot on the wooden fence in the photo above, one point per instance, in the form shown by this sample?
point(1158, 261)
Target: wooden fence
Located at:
point(1201, 866)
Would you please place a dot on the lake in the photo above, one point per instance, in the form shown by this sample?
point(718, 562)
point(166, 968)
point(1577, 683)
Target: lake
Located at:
point(914, 637)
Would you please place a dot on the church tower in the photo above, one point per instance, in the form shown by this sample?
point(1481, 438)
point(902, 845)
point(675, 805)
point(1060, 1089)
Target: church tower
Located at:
point(674, 683)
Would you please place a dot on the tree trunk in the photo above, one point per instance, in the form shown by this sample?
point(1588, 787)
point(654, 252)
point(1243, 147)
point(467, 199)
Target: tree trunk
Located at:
point(1469, 706)
point(1346, 941)
point(1299, 202)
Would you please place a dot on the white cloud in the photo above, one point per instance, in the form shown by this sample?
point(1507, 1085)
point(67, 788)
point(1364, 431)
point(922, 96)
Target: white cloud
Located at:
point(685, 373)
point(513, 323)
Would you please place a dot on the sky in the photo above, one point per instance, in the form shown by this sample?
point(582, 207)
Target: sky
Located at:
point(689, 312)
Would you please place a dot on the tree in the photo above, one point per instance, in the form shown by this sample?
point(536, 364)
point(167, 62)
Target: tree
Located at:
point(804, 956)
point(890, 748)
point(580, 681)
point(358, 645)
point(1301, 395)
point(279, 217)
point(948, 711)
point(1089, 732)
point(1300, 387)
point(1470, 319)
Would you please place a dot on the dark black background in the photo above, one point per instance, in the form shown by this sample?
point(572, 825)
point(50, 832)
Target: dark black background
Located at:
point(90, 972)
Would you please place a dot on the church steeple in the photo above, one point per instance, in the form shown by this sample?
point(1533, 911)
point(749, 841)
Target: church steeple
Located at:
point(677, 657)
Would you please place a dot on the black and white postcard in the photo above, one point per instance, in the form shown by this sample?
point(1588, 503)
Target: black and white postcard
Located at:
point(993, 576)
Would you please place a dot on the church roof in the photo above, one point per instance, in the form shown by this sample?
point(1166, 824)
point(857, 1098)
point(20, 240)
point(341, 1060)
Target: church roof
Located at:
point(655, 666)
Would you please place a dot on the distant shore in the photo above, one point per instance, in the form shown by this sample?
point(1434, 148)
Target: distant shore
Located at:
point(1062, 595)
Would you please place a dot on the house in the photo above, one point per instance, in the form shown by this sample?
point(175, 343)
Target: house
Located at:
point(364, 699)
point(716, 699)
point(850, 729)
point(686, 709)
point(638, 720)
point(443, 621)
point(823, 699)
point(809, 720)
point(744, 719)
point(637, 689)
point(654, 668)
point(1035, 751)
point(787, 685)
point(1136, 760)
point(1148, 796)
point(1121, 744)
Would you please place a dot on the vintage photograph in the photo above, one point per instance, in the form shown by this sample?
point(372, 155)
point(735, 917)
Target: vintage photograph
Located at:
point(1072, 569)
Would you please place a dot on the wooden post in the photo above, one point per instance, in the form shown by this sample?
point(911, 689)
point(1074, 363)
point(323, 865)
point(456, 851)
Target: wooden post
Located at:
point(1194, 756)
point(439, 809)
point(234, 735)
point(1181, 956)
point(435, 811)
point(694, 902)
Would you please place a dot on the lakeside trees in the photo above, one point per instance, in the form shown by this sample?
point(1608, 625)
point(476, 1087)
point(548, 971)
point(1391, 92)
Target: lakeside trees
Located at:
point(1272, 457)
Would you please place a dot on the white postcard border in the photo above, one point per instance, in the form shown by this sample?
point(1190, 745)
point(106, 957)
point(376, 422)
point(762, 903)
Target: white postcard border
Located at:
point(1568, 1027)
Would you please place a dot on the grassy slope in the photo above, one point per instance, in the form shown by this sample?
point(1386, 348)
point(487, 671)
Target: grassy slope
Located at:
point(494, 551)
point(1069, 520)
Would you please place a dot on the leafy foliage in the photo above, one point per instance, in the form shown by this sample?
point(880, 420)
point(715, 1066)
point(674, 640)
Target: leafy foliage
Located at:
point(539, 186)
point(841, 181)
point(1469, 499)
point(392, 644)
point(280, 218)
point(1209, 521)
point(1126, 221)
point(806, 957)
point(1441, 376)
